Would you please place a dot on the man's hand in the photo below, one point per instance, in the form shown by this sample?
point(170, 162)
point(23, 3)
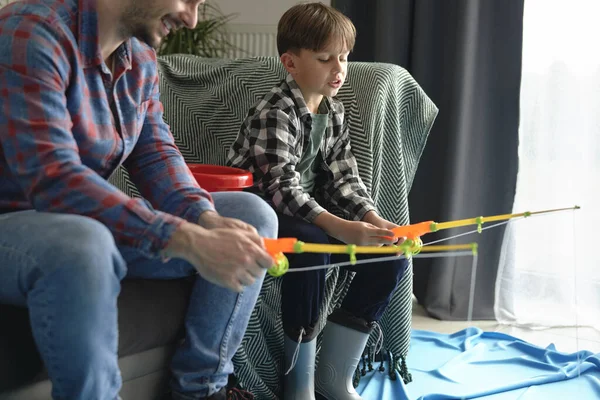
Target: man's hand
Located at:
point(212, 220)
point(232, 258)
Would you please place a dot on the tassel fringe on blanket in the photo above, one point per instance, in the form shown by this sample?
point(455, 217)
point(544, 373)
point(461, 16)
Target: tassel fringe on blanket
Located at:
point(397, 364)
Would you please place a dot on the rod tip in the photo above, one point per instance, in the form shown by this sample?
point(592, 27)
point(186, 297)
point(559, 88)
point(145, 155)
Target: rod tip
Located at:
point(576, 207)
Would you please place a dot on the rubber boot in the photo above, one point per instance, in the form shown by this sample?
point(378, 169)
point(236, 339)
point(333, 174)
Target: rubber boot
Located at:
point(341, 349)
point(299, 383)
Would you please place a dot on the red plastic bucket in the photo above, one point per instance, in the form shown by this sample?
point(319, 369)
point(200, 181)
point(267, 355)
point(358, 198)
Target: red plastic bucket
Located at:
point(217, 178)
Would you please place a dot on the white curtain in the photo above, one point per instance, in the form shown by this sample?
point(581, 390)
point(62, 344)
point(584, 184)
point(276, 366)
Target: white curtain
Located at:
point(549, 273)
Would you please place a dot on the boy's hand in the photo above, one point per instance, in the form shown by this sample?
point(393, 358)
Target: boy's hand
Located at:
point(364, 234)
point(373, 218)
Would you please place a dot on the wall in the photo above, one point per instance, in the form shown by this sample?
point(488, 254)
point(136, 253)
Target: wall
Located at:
point(257, 12)
point(254, 29)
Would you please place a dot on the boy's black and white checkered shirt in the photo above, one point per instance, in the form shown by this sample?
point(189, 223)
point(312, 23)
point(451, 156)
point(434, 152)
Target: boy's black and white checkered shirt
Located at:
point(270, 145)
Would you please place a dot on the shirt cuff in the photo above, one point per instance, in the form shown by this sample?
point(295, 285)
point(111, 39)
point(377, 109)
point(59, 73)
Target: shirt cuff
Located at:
point(192, 214)
point(157, 235)
point(364, 208)
point(314, 211)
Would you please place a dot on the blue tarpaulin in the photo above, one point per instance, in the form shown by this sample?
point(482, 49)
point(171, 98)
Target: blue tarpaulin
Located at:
point(473, 364)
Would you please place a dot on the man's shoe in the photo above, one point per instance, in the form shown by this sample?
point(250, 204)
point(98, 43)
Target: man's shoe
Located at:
point(239, 394)
point(233, 393)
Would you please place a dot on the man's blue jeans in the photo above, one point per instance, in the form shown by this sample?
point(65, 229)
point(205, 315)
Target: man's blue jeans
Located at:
point(67, 270)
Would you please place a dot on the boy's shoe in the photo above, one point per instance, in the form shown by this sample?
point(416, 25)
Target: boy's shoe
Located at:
point(343, 343)
point(299, 381)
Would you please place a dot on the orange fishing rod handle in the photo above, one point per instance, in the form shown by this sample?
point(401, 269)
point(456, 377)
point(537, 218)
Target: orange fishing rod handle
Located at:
point(413, 231)
point(281, 245)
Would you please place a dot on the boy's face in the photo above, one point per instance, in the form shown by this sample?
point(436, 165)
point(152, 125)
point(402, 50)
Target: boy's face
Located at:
point(320, 73)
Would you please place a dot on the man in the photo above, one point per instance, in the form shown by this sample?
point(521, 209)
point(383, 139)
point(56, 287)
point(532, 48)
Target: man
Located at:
point(79, 96)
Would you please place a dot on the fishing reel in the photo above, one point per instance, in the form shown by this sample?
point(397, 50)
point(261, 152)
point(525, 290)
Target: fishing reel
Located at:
point(411, 247)
point(280, 265)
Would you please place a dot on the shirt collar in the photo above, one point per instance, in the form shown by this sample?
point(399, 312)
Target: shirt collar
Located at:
point(299, 98)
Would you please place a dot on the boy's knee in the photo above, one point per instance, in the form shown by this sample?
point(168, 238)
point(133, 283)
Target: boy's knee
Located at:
point(304, 231)
point(391, 275)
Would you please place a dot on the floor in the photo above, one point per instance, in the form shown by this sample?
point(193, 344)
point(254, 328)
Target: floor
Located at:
point(567, 340)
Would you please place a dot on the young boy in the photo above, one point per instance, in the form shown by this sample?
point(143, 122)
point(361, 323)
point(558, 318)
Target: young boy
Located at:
point(297, 145)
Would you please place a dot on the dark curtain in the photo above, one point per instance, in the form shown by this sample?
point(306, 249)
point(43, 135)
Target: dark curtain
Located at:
point(466, 54)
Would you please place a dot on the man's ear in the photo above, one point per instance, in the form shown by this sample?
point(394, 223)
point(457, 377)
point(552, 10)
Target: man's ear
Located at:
point(289, 62)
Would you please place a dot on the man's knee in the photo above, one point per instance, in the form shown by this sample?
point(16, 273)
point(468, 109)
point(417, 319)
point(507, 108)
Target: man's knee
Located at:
point(82, 248)
point(249, 208)
point(265, 219)
point(69, 253)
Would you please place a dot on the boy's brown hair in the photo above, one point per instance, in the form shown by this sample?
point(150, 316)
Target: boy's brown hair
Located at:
point(313, 26)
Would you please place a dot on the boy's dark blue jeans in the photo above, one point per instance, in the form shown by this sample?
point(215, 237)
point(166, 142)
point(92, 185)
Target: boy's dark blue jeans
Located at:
point(303, 292)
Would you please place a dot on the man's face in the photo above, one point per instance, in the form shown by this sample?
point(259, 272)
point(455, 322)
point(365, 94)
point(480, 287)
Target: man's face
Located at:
point(150, 21)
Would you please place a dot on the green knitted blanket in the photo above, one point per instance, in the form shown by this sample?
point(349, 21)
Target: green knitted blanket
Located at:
point(389, 115)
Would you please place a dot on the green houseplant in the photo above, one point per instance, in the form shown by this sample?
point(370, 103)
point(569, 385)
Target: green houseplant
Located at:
point(207, 39)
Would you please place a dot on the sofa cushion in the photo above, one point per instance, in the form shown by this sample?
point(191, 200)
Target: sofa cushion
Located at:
point(151, 315)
